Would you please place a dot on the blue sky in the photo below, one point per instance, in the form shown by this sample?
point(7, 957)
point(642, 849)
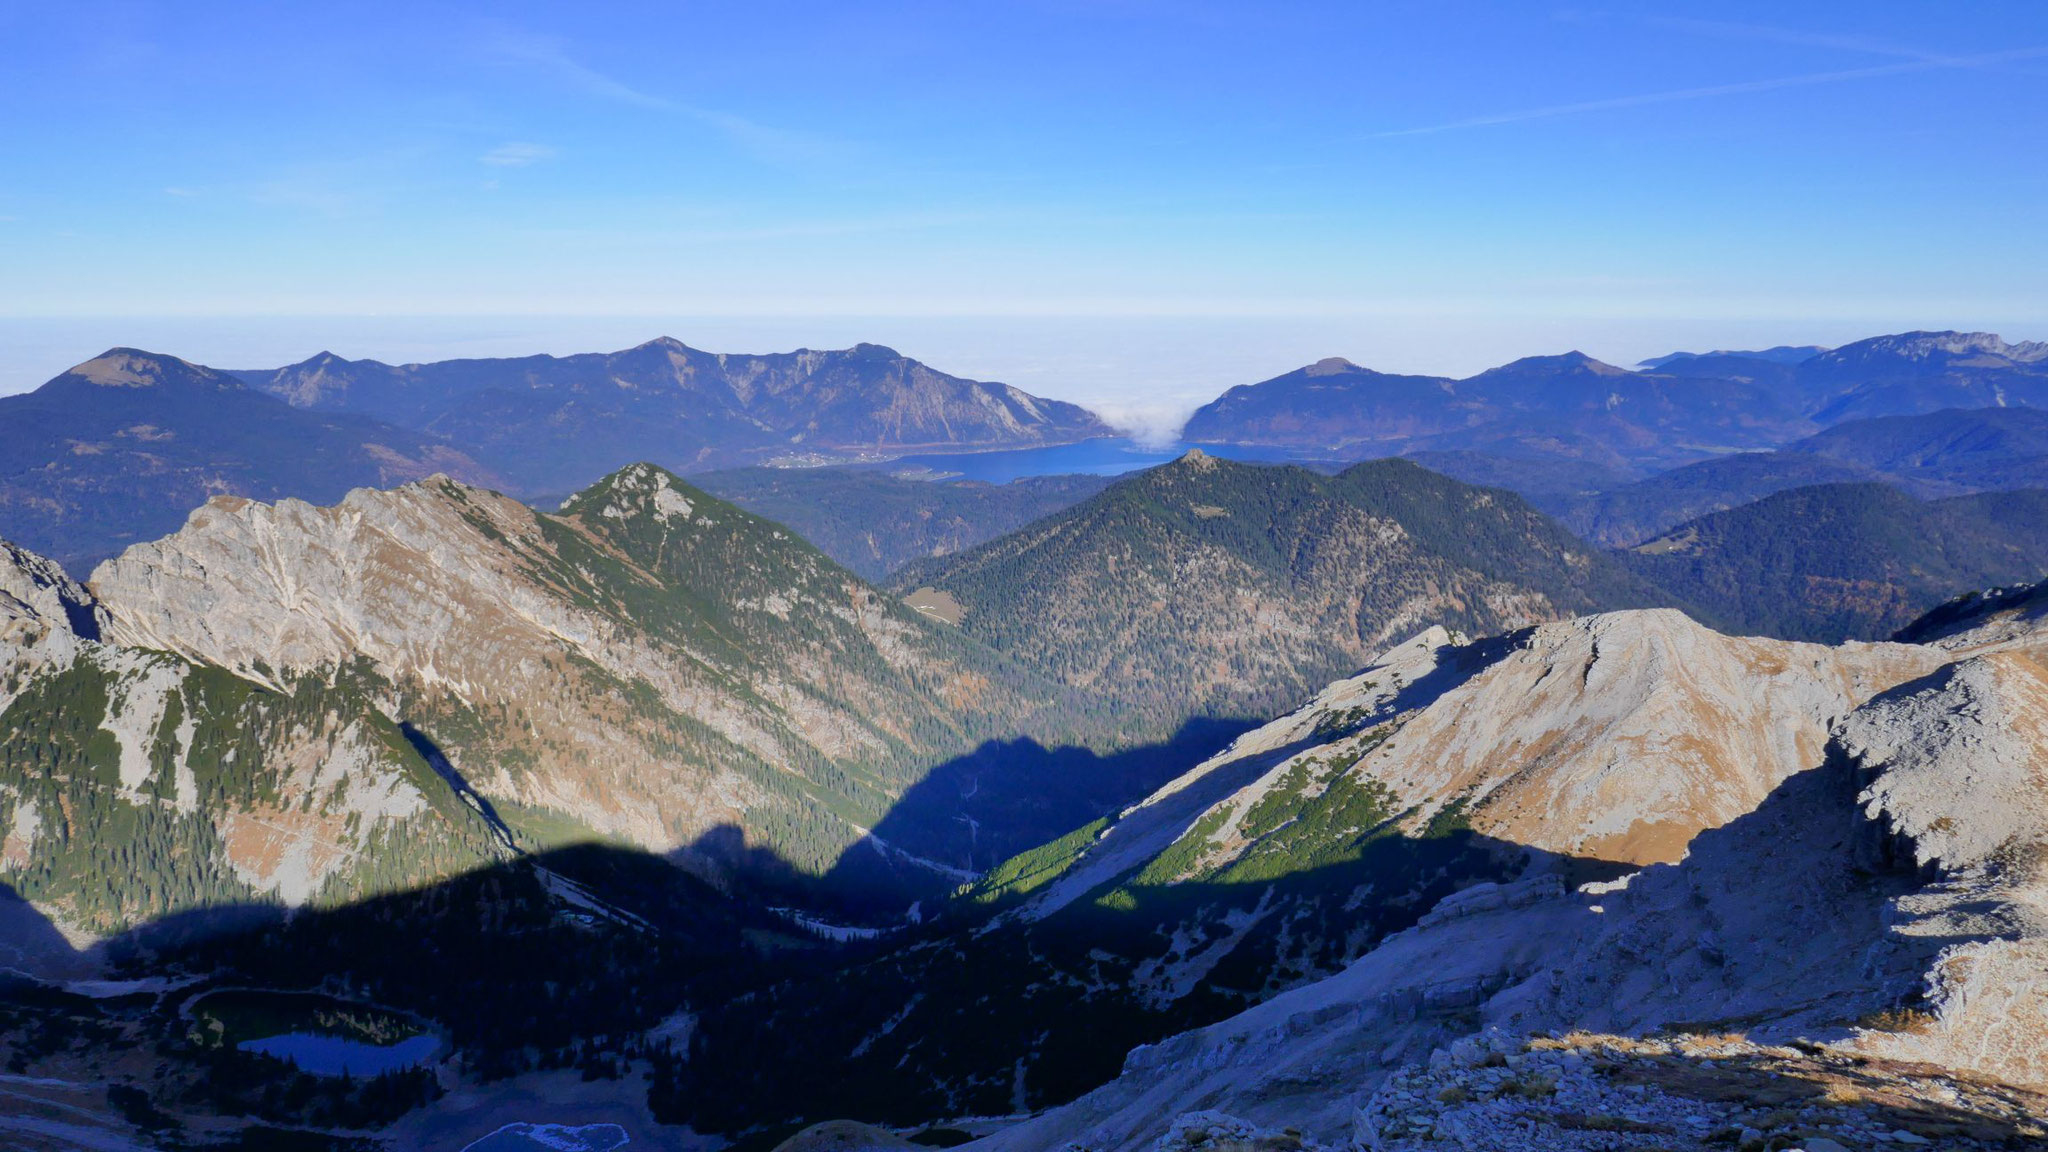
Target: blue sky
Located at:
point(1126, 201)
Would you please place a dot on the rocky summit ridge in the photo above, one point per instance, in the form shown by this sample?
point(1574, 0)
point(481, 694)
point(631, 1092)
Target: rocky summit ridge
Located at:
point(649, 664)
point(1849, 952)
point(552, 422)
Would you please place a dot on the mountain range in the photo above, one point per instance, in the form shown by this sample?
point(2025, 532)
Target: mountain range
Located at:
point(116, 450)
point(553, 423)
point(1574, 408)
point(1215, 806)
point(1287, 928)
point(119, 448)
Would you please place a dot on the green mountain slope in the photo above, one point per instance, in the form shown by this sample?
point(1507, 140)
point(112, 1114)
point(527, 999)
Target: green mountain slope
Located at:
point(1215, 589)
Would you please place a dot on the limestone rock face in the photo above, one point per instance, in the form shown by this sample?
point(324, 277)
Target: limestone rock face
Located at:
point(34, 590)
point(135, 784)
point(1615, 738)
point(1956, 788)
point(1620, 737)
point(1866, 870)
point(651, 663)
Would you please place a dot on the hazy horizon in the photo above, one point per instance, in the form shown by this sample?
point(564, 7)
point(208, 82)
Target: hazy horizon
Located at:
point(1128, 205)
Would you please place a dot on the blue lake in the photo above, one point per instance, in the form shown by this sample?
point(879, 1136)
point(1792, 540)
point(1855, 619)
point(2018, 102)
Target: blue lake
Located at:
point(553, 1137)
point(1106, 457)
point(336, 1056)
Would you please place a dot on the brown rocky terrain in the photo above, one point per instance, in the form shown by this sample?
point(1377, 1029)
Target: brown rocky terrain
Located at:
point(649, 665)
point(1853, 953)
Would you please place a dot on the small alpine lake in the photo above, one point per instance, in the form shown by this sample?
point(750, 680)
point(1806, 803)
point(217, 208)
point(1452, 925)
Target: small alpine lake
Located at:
point(320, 1034)
point(324, 1055)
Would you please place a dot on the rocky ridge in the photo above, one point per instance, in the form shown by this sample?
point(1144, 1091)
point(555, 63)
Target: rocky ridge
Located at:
point(1869, 927)
point(135, 784)
point(649, 664)
point(555, 423)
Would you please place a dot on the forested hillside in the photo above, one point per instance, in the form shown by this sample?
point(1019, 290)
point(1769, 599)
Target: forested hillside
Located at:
point(1844, 561)
point(1207, 588)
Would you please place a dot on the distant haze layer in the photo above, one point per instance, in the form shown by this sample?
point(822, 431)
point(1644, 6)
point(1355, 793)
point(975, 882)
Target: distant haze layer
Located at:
point(1141, 372)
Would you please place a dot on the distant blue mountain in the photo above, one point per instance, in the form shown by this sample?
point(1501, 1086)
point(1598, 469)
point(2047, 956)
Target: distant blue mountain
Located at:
point(1597, 417)
point(121, 448)
point(1782, 354)
point(1952, 452)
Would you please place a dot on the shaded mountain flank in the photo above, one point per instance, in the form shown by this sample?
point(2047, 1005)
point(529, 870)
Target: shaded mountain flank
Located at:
point(1945, 453)
point(1844, 561)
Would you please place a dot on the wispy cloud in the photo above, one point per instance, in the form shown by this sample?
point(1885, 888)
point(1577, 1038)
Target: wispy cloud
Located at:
point(1728, 29)
point(1919, 63)
point(517, 154)
point(762, 141)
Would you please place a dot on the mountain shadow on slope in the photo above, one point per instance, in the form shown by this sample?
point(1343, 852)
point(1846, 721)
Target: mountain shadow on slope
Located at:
point(1839, 562)
point(520, 980)
point(1626, 515)
point(1016, 1015)
point(1016, 794)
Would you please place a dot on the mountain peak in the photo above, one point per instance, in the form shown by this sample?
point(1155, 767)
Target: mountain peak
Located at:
point(635, 491)
point(1929, 345)
point(875, 352)
point(1574, 362)
point(661, 343)
point(135, 368)
point(1331, 366)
